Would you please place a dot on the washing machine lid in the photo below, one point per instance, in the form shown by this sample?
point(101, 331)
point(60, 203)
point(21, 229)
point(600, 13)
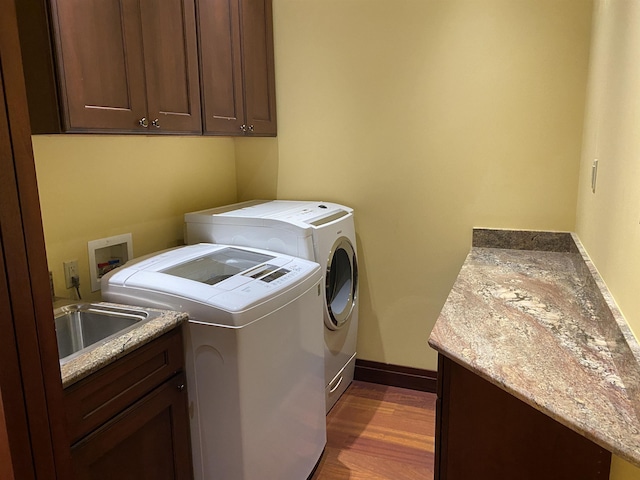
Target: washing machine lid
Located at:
point(226, 285)
point(299, 216)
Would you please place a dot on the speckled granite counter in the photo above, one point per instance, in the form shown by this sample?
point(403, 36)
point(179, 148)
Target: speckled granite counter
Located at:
point(87, 363)
point(529, 313)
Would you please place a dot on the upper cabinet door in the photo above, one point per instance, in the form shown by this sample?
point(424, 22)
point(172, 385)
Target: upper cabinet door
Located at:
point(237, 70)
point(101, 64)
point(171, 65)
point(221, 66)
point(258, 65)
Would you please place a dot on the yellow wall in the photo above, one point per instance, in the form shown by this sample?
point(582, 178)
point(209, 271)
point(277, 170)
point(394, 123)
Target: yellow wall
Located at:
point(608, 221)
point(257, 168)
point(428, 118)
point(94, 186)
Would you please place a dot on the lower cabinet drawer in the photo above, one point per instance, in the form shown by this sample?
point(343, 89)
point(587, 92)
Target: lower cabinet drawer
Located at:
point(94, 400)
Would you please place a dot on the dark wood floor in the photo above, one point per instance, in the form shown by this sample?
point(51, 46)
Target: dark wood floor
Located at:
point(376, 432)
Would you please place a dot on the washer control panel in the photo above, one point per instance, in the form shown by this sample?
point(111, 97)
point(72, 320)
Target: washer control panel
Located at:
point(268, 273)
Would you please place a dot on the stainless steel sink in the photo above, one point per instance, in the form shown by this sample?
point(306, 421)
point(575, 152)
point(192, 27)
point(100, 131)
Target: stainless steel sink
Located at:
point(82, 326)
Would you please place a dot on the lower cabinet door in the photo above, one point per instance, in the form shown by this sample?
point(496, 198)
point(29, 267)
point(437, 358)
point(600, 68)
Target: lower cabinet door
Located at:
point(147, 441)
point(485, 433)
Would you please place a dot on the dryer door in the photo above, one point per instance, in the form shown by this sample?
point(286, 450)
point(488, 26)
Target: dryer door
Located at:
point(341, 282)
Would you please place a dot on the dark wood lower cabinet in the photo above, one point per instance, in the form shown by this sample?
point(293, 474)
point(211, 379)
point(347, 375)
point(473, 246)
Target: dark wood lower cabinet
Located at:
point(130, 420)
point(483, 432)
point(148, 441)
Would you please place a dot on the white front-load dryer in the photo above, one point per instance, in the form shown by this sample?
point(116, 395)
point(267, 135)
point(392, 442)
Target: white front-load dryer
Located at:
point(320, 231)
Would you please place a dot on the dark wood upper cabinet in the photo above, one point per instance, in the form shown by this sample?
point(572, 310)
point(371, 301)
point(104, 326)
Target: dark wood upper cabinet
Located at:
point(259, 73)
point(100, 63)
point(171, 65)
point(119, 65)
point(237, 67)
point(221, 66)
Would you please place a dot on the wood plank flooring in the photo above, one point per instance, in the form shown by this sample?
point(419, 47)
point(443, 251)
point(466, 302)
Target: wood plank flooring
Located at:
point(377, 432)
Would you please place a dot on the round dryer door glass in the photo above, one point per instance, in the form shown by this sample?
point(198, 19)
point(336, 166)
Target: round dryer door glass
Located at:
point(341, 283)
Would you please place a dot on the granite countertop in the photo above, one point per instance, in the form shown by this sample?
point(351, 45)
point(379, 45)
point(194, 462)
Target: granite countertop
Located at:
point(530, 314)
point(83, 365)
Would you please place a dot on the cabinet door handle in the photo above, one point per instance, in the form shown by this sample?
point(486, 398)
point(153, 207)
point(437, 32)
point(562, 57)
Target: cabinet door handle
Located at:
point(243, 127)
point(181, 387)
point(144, 122)
point(156, 123)
point(251, 128)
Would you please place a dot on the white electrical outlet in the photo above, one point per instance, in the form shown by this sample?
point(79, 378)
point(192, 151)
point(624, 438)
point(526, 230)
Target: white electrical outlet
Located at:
point(70, 271)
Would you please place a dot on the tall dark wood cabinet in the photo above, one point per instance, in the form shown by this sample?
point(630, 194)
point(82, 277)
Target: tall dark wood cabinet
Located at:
point(33, 441)
point(118, 65)
point(484, 433)
point(237, 67)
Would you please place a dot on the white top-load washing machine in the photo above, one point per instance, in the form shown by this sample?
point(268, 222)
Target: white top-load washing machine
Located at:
point(319, 231)
point(254, 351)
